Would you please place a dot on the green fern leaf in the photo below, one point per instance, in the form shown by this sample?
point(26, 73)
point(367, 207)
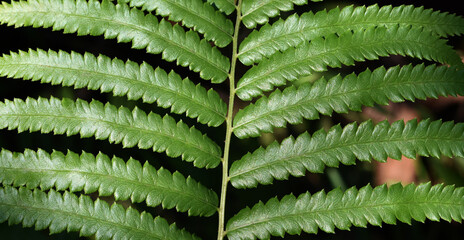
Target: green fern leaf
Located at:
point(69, 117)
point(350, 93)
point(193, 14)
point(227, 6)
point(259, 11)
point(108, 176)
point(334, 51)
point(363, 142)
point(125, 24)
point(341, 210)
point(295, 30)
point(70, 213)
point(130, 79)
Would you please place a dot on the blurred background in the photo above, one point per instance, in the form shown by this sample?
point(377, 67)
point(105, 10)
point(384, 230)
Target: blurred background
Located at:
point(450, 171)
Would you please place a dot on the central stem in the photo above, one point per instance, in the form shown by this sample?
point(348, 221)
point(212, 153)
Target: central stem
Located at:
point(229, 128)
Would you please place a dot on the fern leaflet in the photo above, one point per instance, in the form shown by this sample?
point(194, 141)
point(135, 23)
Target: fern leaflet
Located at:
point(363, 142)
point(134, 128)
point(342, 210)
point(107, 176)
point(350, 93)
point(295, 30)
point(193, 14)
point(135, 81)
point(227, 6)
point(125, 24)
point(69, 212)
point(259, 11)
point(334, 51)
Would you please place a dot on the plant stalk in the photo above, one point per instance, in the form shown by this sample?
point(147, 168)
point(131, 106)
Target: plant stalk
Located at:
point(229, 127)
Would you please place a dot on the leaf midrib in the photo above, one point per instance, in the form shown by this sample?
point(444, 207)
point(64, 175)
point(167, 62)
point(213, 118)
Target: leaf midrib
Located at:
point(147, 131)
point(258, 5)
point(340, 145)
point(340, 48)
point(328, 96)
point(109, 176)
point(126, 79)
point(276, 218)
point(339, 25)
point(78, 215)
point(136, 27)
point(202, 17)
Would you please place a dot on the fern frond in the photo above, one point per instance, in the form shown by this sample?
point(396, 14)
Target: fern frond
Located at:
point(363, 142)
point(113, 75)
point(124, 24)
point(341, 210)
point(334, 51)
point(107, 176)
point(70, 213)
point(193, 14)
point(349, 93)
point(259, 11)
point(227, 6)
point(295, 30)
point(134, 128)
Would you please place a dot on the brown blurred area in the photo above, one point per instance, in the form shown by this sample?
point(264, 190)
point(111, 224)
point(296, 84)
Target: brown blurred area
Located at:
point(405, 169)
point(393, 171)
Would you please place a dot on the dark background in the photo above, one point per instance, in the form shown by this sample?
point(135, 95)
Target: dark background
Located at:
point(12, 39)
